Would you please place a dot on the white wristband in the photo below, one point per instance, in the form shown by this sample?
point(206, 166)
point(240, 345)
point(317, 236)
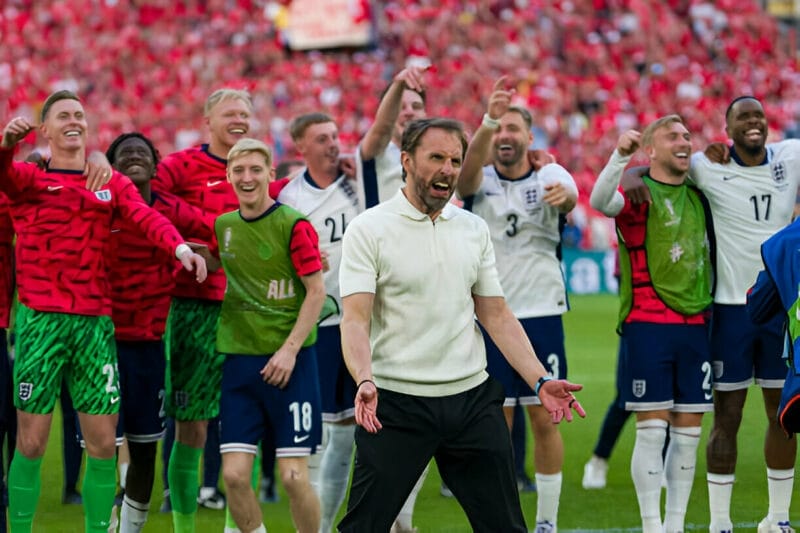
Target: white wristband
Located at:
point(489, 122)
point(182, 249)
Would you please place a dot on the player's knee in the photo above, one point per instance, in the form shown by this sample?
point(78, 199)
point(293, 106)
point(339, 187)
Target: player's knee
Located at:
point(294, 480)
point(236, 478)
point(101, 446)
point(30, 445)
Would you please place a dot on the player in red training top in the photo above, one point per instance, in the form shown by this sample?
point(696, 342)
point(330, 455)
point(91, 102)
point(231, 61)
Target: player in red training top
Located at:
point(196, 176)
point(142, 278)
point(63, 322)
point(7, 416)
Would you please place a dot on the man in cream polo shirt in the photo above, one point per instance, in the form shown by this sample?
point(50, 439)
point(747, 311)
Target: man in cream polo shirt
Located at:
point(415, 273)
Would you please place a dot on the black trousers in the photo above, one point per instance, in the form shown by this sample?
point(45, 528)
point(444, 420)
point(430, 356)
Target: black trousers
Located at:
point(465, 433)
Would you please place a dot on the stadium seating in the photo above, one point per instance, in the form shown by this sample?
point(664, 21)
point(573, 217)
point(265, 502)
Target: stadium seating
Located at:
point(588, 69)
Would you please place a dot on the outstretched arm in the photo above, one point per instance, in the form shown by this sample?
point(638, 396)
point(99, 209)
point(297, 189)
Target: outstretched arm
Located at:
point(505, 330)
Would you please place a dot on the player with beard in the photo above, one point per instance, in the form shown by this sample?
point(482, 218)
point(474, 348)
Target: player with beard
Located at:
point(523, 209)
point(380, 176)
point(665, 295)
point(423, 391)
point(63, 322)
point(751, 196)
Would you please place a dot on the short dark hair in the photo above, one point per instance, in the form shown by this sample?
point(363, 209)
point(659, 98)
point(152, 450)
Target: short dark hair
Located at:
point(283, 168)
point(55, 97)
point(736, 101)
point(416, 128)
point(524, 113)
point(300, 124)
point(111, 153)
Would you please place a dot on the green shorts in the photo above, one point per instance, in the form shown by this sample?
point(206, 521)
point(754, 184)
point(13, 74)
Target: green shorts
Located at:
point(194, 368)
point(54, 346)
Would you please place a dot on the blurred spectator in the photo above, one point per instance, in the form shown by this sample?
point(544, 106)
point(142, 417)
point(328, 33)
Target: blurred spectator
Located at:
point(589, 69)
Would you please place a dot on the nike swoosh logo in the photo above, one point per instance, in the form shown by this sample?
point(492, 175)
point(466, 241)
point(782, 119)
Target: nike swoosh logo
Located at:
point(728, 178)
point(114, 400)
point(298, 440)
point(489, 193)
point(214, 183)
point(52, 188)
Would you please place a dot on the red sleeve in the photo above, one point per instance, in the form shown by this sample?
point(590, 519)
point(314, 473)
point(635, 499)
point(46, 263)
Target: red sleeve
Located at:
point(165, 182)
point(154, 225)
point(15, 177)
point(632, 223)
point(190, 221)
point(304, 247)
point(6, 262)
point(275, 187)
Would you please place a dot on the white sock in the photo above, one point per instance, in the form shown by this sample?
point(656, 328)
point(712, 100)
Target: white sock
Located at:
point(406, 516)
point(720, 487)
point(548, 490)
point(646, 470)
point(315, 459)
point(123, 474)
point(334, 472)
point(229, 529)
point(679, 466)
point(260, 529)
point(779, 487)
point(132, 516)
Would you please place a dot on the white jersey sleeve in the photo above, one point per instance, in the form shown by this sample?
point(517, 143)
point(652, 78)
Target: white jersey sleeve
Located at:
point(380, 178)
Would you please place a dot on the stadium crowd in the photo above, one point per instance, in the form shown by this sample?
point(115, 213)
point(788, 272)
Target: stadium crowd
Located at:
point(586, 67)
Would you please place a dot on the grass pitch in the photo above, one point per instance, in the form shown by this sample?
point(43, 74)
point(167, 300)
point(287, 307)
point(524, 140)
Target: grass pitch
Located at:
point(591, 349)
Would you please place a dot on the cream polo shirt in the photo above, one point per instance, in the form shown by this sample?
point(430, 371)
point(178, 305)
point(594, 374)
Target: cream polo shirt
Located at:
point(424, 337)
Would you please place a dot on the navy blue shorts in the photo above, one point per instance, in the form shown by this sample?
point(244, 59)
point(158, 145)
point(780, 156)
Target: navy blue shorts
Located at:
point(742, 350)
point(141, 380)
point(547, 336)
point(250, 408)
point(336, 386)
point(665, 366)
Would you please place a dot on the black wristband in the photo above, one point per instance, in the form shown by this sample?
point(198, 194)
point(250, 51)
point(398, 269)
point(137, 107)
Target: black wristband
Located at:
point(365, 381)
point(542, 380)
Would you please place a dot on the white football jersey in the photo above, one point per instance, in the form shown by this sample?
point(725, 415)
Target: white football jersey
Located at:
point(748, 205)
point(525, 236)
point(379, 179)
point(330, 210)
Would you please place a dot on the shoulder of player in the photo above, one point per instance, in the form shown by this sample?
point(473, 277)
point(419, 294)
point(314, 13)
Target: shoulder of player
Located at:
point(194, 157)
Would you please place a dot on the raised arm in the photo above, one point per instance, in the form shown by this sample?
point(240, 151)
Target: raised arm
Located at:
point(605, 196)
point(13, 182)
point(469, 180)
point(380, 133)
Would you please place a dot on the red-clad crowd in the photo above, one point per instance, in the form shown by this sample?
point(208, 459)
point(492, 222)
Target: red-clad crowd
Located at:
point(587, 69)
